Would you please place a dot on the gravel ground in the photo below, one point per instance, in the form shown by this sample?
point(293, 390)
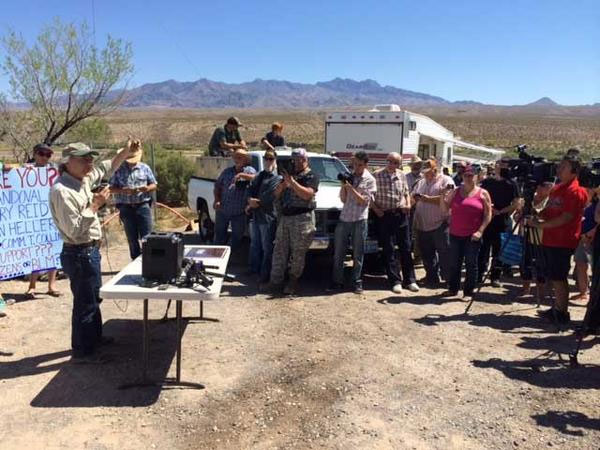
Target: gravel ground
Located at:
point(314, 371)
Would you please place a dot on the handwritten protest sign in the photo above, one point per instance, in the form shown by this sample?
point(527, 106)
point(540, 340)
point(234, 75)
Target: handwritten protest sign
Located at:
point(29, 241)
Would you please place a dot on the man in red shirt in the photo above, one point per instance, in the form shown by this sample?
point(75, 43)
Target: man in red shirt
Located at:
point(561, 222)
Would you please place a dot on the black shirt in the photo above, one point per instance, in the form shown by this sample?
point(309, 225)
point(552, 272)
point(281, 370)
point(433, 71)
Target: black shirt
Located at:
point(291, 203)
point(275, 140)
point(263, 187)
point(502, 192)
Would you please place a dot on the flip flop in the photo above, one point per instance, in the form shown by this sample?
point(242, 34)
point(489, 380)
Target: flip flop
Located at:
point(29, 295)
point(54, 293)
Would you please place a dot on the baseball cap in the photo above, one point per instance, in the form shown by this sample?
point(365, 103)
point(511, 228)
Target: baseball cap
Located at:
point(299, 153)
point(42, 148)
point(469, 169)
point(78, 149)
point(234, 121)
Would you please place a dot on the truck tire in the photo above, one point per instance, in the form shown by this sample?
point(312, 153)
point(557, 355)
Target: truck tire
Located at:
point(206, 227)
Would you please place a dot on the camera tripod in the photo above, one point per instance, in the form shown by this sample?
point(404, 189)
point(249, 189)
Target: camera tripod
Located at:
point(531, 246)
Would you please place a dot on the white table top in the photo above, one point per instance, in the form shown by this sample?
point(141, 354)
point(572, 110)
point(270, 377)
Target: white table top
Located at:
point(125, 285)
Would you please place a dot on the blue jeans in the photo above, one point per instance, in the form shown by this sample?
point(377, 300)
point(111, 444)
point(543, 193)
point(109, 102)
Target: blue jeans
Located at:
point(343, 231)
point(137, 221)
point(262, 237)
point(238, 228)
point(463, 248)
point(82, 265)
point(435, 251)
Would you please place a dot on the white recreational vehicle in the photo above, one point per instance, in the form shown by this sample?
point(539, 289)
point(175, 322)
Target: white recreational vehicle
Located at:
point(387, 128)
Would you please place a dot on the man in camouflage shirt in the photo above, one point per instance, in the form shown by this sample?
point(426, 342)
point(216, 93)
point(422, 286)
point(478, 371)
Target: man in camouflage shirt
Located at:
point(296, 226)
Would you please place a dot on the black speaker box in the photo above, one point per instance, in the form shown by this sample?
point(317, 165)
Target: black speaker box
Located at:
point(162, 256)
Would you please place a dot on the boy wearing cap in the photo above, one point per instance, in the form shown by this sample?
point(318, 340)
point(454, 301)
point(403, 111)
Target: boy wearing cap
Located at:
point(131, 185)
point(226, 139)
point(74, 209)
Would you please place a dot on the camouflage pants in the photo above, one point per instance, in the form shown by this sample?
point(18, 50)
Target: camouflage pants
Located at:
point(292, 240)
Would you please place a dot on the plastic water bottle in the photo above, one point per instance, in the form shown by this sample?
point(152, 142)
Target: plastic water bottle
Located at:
point(2, 304)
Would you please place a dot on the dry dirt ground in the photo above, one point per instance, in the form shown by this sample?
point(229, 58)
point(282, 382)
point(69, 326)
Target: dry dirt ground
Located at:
point(314, 371)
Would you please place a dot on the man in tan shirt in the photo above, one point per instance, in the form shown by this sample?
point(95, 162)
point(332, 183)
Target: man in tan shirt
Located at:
point(74, 208)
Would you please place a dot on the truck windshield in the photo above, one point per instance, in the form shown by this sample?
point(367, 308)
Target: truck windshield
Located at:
point(327, 169)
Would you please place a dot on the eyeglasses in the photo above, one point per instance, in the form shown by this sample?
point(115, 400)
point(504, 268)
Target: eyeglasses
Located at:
point(45, 154)
point(393, 161)
point(268, 158)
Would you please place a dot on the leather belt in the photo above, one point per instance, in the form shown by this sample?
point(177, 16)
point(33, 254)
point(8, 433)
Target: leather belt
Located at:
point(85, 245)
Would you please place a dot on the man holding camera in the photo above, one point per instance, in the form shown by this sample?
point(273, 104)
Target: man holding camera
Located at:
point(561, 222)
point(226, 140)
point(356, 193)
point(392, 207)
point(74, 209)
point(431, 223)
point(296, 226)
point(131, 185)
point(504, 193)
point(231, 194)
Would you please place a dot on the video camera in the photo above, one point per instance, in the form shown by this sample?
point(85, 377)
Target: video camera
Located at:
point(589, 175)
point(346, 177)
point(286, 166)
point(530, 171)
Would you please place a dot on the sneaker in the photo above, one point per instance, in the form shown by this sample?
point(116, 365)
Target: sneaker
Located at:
point(334, 287)
point(273, 288)
point(496, 284)
point(412, 287)
point(397, 289)
point(358, 287)
point(449, 293)
point(546, 313)
point(291, 287)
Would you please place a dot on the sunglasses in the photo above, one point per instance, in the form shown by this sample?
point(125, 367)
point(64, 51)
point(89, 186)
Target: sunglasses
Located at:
point(45, 154)
point(268, 158)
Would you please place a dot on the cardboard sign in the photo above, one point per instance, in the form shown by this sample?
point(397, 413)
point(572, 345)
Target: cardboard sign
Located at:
point(29, 241)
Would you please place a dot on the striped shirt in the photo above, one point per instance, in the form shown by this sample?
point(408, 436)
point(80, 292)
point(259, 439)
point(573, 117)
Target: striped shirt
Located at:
point(392, 190)
point(352, 210)
point(429, 216)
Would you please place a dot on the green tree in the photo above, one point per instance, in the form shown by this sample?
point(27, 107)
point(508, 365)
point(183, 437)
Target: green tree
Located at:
point(173, 172)
point(93, 131)
point(63, 77)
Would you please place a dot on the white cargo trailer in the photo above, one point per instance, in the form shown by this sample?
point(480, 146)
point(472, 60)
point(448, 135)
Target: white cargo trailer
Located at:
point(387, 128)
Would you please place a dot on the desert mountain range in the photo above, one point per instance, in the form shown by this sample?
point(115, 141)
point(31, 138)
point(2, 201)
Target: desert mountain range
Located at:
point(276, 94)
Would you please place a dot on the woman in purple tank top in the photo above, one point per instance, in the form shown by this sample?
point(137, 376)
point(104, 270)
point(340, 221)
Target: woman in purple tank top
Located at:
point(470, 212)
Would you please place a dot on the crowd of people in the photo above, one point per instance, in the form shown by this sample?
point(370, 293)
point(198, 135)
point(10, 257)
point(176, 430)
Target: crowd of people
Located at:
point(453, 224)
point(449, 222)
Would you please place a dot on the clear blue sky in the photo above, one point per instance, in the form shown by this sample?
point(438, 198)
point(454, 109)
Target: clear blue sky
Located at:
point(500, 52)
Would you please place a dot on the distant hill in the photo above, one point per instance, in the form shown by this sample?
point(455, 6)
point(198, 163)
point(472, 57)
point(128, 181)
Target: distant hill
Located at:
point(272, 94)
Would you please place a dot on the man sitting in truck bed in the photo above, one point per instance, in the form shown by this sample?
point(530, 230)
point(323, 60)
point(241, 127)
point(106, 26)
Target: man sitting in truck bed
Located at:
point(226, 139)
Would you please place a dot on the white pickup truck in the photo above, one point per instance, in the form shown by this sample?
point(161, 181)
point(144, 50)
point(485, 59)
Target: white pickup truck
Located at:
point(329, 205)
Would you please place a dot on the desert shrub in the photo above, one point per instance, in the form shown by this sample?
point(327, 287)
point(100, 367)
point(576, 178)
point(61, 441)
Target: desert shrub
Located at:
point(172, 171)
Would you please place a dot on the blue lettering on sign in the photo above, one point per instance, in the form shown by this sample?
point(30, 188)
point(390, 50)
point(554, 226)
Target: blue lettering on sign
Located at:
point(29, 240)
